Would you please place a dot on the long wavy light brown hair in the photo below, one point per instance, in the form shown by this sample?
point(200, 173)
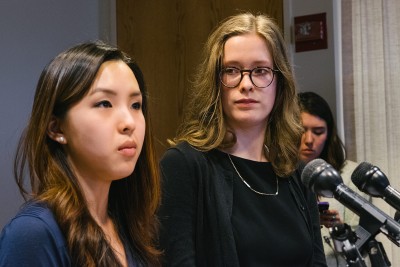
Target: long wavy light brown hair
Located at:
point(133, 201)
point(204, 124)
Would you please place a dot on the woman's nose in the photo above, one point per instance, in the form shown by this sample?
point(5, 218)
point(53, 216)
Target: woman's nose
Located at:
point(308, 138)
point(246, 84)
point(127, 121)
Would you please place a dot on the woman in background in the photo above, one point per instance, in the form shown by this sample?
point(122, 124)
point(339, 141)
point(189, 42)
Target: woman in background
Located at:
point(93, 173)
point(320, 140)
point(231, 192)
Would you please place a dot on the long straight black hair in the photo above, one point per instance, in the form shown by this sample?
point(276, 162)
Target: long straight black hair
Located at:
point(133, 201)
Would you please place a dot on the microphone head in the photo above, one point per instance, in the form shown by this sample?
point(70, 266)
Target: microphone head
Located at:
point(321, 178)
point(397, 216)
point(369, 179)
point(358, 175)
point(310, 170)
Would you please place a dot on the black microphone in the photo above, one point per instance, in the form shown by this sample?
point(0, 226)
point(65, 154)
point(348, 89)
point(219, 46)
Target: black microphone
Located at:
point(324, 180)
point(397, 216)
point(371, 180)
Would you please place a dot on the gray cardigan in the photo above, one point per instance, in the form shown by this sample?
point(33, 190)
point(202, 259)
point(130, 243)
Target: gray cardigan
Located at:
point(196, 210)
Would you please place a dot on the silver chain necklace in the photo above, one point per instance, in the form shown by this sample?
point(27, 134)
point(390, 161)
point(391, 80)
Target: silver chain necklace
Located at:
point(247, 184)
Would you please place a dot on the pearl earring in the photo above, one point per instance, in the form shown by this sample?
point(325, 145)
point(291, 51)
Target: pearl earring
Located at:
point(61, 139)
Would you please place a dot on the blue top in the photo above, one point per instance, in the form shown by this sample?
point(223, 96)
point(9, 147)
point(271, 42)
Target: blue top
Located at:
point(33, 238)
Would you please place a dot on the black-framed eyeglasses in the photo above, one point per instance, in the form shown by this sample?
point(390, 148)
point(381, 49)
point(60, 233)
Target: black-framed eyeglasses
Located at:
point(261, 77)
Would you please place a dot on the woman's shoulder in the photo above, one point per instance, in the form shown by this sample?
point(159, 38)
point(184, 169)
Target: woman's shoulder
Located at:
point(347, 170)
point(186, 159)
point(349, 165)
point(186, 148)
point(182, 151)
point(34, 221)
point(34, 233)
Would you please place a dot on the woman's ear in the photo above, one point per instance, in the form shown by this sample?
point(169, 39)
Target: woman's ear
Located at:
point(54, 131)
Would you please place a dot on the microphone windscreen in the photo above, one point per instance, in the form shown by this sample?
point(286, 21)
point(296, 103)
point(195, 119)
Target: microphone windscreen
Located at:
point(358, 175)
point(397, 216)
point(309, 169)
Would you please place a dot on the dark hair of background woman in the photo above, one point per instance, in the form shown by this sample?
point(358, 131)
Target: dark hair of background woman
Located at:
point(334, 151)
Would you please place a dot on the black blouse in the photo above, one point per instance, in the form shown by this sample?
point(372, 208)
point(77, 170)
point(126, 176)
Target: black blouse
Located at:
point(267, 229)
point(209, 218)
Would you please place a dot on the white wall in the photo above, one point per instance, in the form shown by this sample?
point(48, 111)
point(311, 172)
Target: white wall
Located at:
point(314, 70)
point(31, 33)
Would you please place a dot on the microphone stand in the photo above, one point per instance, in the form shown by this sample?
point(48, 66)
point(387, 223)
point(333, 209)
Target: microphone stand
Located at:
point(376, 251)
point(342, 233)
point(366, 242)
point(349, 239)
point(377, 254)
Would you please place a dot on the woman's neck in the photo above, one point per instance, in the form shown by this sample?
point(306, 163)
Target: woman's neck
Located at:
point(97, 199)
point(249, 145)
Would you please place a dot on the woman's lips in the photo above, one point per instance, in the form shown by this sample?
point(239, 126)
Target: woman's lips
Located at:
point(128, 149)
point(246, 101)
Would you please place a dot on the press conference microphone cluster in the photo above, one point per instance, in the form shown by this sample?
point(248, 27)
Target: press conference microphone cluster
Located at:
point(371, 180)
point(324, 180)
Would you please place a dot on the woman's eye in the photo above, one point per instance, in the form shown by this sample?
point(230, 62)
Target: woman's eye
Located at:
point(231, 71)
point(260, 71)
point(104, 104)
point(319, 132)
point(137, 105)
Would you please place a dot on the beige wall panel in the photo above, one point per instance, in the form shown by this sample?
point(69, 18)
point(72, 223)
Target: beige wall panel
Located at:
point(166, 38)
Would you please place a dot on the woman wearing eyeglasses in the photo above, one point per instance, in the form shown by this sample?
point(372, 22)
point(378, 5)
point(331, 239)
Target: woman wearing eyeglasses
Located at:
point(231, 192)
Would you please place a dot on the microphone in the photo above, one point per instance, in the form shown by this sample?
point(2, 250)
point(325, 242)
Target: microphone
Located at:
point(324, 180)
point(371, 180)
